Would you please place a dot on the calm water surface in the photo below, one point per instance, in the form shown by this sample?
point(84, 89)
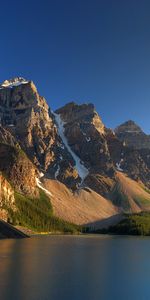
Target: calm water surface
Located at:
point(75, 268)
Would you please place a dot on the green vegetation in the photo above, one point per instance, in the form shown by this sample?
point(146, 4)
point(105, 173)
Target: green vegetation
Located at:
point(136, 224)
point(141, 201)
point(37, 214)
point(125, 199)
point(119, 198)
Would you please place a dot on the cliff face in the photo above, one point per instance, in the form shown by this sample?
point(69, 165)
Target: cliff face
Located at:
point(7, 199)
point(18, 169)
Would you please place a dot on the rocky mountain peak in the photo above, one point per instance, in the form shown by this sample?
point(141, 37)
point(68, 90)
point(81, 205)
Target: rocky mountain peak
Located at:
point(19, 93)
point(129, 127)
point(16, 97)
point(16, 81)
point(75, 111)
point(132, 135)
point(83, 114)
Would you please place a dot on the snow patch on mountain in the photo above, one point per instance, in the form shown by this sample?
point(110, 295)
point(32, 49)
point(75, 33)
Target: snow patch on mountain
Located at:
point(39, 184)
point(86, 137)
point(118, 165)
point(82, 170)
point(57, 172)
point(13, 82)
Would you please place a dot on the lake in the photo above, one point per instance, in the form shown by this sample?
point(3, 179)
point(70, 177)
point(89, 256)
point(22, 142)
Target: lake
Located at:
point(75, 268)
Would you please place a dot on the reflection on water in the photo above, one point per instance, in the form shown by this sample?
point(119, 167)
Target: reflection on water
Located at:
point(75, 268)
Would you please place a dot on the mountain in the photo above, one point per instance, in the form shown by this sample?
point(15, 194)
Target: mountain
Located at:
point(132, 135)
point(64, 167)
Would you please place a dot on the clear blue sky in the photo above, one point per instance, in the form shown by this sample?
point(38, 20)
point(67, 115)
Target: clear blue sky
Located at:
point(85, 51)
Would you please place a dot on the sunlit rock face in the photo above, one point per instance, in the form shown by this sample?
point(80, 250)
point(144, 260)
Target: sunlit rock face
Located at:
point(7, 199)
point(18, 169)
point(13, 82)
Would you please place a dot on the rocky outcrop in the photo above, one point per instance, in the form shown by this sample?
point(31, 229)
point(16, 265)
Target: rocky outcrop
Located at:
point(10, 232)
point(6, 137)
point(18, 169)
point(7, 199)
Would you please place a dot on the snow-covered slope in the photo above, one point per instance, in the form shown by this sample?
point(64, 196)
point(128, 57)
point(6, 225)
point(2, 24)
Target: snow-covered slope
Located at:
point(82, 170)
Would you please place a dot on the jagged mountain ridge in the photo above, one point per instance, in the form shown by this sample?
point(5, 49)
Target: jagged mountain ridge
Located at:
point(71, 145)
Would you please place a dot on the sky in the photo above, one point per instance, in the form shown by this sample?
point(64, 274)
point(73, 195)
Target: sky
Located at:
point(83, 51)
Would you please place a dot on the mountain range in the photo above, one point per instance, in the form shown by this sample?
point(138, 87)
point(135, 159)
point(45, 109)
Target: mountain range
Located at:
point(66, 167)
